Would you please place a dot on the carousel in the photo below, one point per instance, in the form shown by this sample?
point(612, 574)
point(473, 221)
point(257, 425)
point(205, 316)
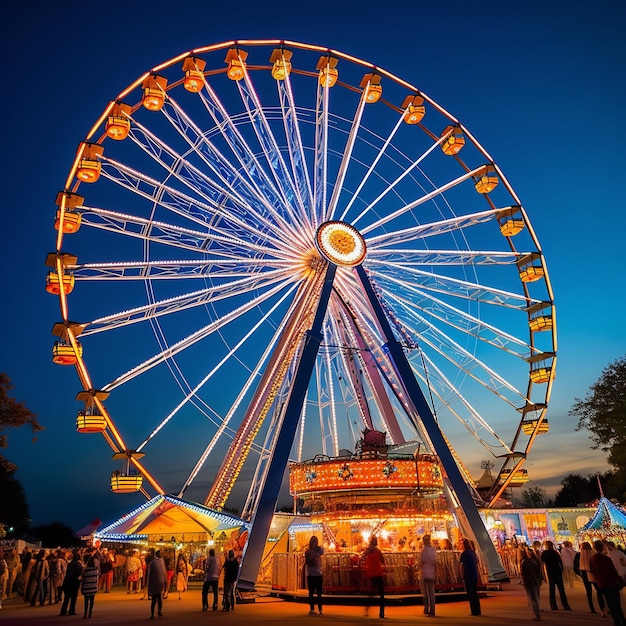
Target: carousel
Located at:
point(374, 491)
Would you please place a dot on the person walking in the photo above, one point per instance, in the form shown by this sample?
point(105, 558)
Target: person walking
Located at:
point(89, 585)
point(530, 571)
point(374, 570)
point(157, 582)
point(608, 580)
point(554, 571)
point(428, 575)
point(314, 576)
point(231, 572)
point(587, 577)
point(211, 576)
point(468, 562)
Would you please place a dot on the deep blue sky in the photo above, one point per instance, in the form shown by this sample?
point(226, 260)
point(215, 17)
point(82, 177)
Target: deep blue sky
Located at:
point(540, 84)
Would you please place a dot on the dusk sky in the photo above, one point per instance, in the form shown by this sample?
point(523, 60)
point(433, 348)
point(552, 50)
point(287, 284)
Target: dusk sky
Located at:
point(539, 84)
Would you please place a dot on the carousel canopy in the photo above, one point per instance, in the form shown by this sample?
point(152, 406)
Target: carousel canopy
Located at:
point(608, 521)
point(169, 516)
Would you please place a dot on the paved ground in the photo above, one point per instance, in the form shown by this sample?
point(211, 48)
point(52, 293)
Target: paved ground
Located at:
point(500, 608)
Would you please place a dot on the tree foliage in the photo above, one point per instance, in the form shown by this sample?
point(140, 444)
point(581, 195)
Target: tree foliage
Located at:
point(13, 507)
point(13, 414)
point(603, 412)
point(55, 534)
point(535, 497)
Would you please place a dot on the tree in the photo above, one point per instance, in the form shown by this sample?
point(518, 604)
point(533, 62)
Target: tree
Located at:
point(13, 414)
point(577, 489)
point(603, 413)
point(55, 534)
point(14, 508)
point(535, 497)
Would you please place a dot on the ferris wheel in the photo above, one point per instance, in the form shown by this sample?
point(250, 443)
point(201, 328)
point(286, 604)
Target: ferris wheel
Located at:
point(195, 230)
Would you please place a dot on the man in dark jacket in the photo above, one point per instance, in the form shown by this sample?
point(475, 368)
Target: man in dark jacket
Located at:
point(231, 571)
point(71, 584)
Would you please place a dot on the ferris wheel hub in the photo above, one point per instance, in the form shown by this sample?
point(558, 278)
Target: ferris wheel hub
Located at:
point(340, 243)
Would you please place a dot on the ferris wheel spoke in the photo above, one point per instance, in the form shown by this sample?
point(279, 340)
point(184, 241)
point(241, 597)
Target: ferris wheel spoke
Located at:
point(269, 144)
point(388, 217)
point(185, 301)
point(166, 270)
point(295, 146)
point(228, 418)
point(393, 184)
point(198, 335)
point(448, 394)
point(432, 229)
point(459, 320)
point(159, 232)
point(235, 186)
point(462, 359)
point(242, 152)
point(231, 206)
point(371, 169)
point(211, 215)
point(447, 285)
point(215, 369)
point(410, 257)
point(346, 157)
point(320, 177)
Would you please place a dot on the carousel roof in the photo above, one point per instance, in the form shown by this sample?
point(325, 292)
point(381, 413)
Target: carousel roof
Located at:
point(169, 516)
point(609, 518)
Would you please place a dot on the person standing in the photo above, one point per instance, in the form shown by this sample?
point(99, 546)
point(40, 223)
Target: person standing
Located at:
point(314, 576)
point(554, 571)
point(568, 554)
point(231, 571)
point(89, 585)
point(106, 571)
point(58, 576)
point(71, 584)
point(428, 575)
point(469, 572)
point(183, 571)
point(211, 576)
point(608, 580)
point(15, 567)
point(133, 572)
point(4, 577)
point(374, 570)
point(530, 571)
point(41, 573)
point(157, 582)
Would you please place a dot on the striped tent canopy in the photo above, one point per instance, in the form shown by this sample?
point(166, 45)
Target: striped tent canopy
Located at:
point(170, 517)
point(608, 522)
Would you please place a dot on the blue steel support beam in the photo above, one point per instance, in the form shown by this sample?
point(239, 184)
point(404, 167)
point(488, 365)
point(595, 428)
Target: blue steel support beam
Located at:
point(415, 394)
point(262, 519)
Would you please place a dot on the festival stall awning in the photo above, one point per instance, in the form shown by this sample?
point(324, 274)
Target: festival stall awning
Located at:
point(167, 516)
point(85, 531)
point(608, 522)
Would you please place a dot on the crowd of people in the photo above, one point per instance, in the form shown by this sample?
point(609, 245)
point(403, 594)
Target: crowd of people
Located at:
point(59, 576)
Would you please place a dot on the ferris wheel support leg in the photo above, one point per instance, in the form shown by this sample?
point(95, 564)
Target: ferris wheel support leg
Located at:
point(268, 495)
point(414, 392)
